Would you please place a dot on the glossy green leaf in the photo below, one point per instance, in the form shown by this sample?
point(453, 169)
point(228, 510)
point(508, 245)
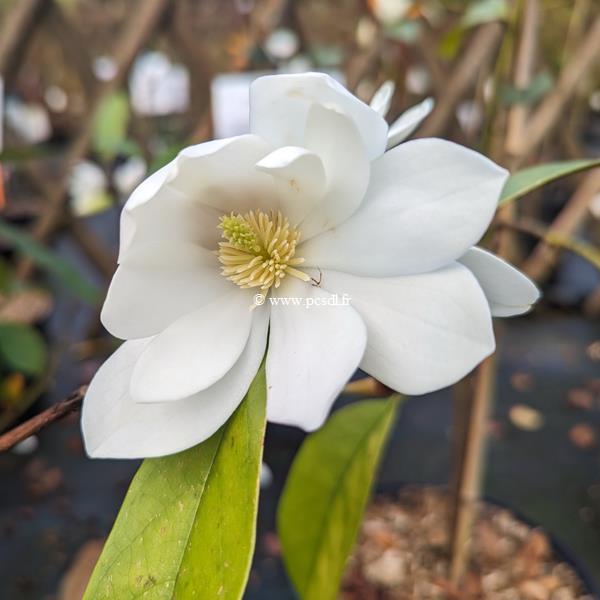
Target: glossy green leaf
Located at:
point(50, 261)
point(187, 527)
point(531, 178)
point(326, 493)
point(22, 348)
point(111, 120)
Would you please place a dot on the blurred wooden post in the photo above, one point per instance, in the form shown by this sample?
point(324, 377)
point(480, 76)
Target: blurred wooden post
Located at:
point(476, 406)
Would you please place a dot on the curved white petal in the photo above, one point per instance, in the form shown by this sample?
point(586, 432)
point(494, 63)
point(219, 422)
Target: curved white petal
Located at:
point(313, 351)
point(195, 351)
point(158, 282)
point(424, 332)
point(508, 291)
point(332, 136)
point(299, 177)
point(184, 200)
point(222, 174)
point(157, 212)
point(168, 216)
point(279, 106)
point(114, 426)
point(408, 121)
point(428, 202)
point(382, 98)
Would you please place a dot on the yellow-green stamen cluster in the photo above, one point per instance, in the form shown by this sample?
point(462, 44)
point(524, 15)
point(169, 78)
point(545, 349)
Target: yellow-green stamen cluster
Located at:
point(260, 248)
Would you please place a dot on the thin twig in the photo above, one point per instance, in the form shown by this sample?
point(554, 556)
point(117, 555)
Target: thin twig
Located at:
point(59, 410)
point(472, 406)
point(141, 24)
point(15, 33)
point(476, 55)
point(473, 455)
point(550, 111)
point(556, 240)
point(569, 220)
point(525, 62)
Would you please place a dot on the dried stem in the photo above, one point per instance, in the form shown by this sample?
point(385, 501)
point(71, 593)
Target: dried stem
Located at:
point(59, 410)
point(142, 23)
point(469, 477)
point(472, 407)
point(478, 53)
point(555, 240)
point(550, 111)
point(15, 33)
point(571, 217)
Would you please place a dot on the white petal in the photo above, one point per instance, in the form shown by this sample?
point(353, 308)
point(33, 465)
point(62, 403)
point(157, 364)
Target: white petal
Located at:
point(313, 351)
point(428, 202)
point(408, 121)
point(168, 216)
point(114, 426)
point(382, 98)
point(425, 331)
point(299, 178)
point(222, 174)
point(332, 136)
point(508, 291)
point(195, 351)
point(184, 200)
point(279, 106)
point(158, 282)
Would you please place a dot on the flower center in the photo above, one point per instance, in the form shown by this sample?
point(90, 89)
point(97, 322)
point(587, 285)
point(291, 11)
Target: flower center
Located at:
point(260, 248)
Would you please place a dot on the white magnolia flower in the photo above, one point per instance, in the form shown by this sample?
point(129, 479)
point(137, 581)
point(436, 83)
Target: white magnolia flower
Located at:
point(309, 205)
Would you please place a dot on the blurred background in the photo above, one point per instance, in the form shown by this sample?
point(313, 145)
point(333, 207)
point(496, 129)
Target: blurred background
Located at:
point(97, 94)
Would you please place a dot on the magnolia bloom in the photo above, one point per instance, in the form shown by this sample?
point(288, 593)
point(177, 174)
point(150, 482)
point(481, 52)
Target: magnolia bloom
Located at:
point(311, 206)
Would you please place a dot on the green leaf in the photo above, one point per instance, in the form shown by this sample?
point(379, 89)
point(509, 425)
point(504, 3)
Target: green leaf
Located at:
point(326, 492)
point(527, 180)
point(22, 348)
point(50, 261)
point(187, 527)
point(110, 124)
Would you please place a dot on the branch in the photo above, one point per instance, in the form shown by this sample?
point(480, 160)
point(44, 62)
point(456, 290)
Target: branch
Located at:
point(59, 410)
point(535, 229)
point(549, 113)
point(136, 31)
point(476, 56)
point(569, 220)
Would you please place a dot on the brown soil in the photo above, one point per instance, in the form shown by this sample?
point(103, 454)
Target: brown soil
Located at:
point(402, 554)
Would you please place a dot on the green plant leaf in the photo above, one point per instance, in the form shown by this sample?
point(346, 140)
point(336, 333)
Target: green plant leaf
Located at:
point(532, 178)
point(50, 261)
point(187, 526)
point(22, 348)
point(111, 120)
point(326, 492)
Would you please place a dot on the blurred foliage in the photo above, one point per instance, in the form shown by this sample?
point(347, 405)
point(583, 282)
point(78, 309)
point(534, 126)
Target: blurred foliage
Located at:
point(110, 124)
point(22, 348)
point(48, 260)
